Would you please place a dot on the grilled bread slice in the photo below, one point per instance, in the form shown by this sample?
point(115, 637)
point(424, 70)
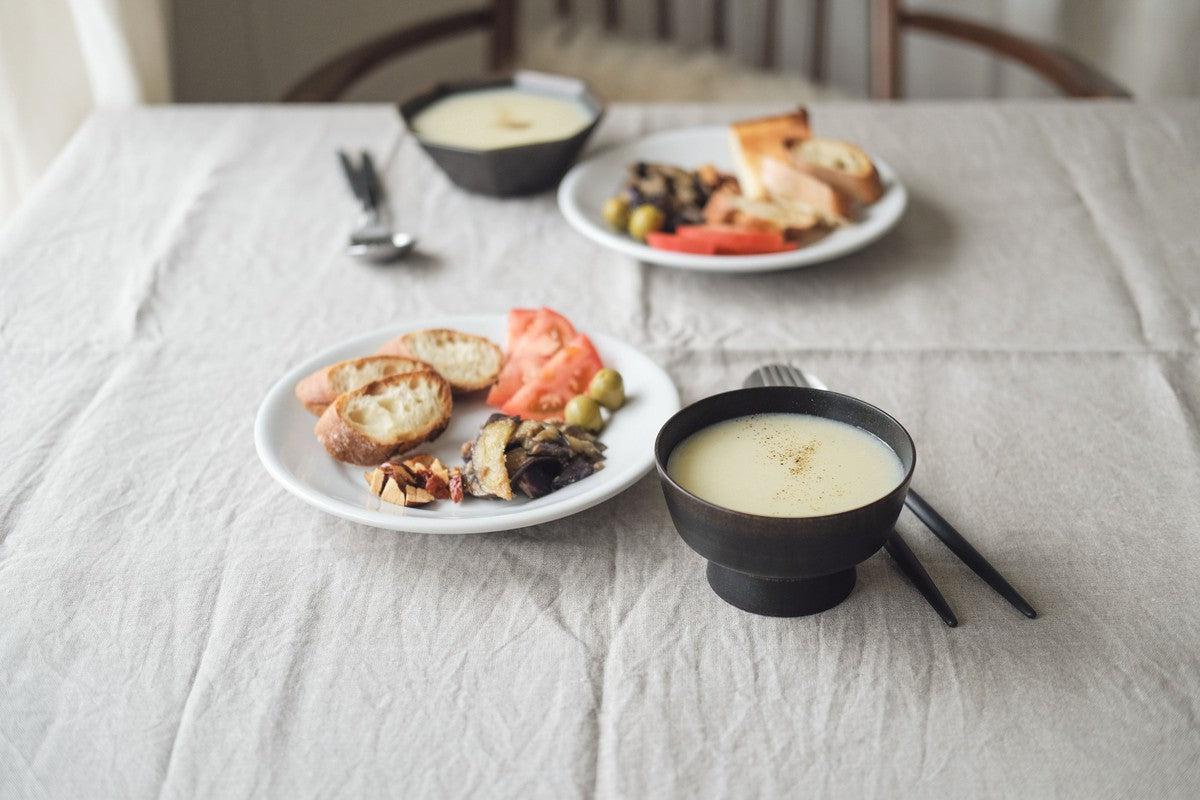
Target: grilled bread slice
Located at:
point(796, 221)
point(840, 164)
point(753, 140)
point(386, 417)
point(322, 387)
point(785, 182)
point(467, 361)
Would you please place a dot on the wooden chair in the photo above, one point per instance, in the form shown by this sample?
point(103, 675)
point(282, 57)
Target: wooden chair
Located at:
point(888, 20)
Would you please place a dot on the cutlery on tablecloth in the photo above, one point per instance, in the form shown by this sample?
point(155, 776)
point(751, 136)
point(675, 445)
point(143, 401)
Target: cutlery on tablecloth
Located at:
point(374, 239)
point(786, 375)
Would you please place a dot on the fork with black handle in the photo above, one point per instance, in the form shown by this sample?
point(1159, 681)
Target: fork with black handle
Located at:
point(785, 375)
point(373, 239)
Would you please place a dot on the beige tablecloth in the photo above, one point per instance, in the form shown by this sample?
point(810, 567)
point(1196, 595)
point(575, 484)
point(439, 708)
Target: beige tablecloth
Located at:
point(173, 623)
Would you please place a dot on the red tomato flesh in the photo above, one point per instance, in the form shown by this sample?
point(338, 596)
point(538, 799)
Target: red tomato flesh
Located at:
point(565, 375)
point(734, 241)
point(540, 334)
point(678, 244)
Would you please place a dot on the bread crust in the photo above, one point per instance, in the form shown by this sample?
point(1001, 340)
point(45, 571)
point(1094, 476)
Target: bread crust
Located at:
point(316, 391)
point(754, 140)
point(402, 345)
point(863, 185)
point(345, 442)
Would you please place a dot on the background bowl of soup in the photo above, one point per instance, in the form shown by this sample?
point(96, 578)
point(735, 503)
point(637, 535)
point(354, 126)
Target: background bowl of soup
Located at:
point(505, 136)
point(804, 503)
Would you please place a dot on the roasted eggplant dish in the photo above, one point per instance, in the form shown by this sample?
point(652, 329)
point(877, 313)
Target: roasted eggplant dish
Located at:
point(528, 456)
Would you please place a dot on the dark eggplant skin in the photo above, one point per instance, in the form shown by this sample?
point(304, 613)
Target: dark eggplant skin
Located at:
point(576, 469)
point(537, 479)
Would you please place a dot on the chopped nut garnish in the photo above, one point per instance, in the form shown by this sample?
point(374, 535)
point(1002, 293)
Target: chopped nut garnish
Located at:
point(416, 496)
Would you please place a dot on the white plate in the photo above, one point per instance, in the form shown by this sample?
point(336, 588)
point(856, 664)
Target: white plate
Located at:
point(582, 193)
point(283, 436)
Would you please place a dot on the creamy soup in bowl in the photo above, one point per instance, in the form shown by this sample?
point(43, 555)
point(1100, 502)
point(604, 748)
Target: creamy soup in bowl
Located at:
point(783, 490)
point(785, 465)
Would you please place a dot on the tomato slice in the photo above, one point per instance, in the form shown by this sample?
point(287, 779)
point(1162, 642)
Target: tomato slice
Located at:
point(539, 337)
point(728, 240)
point(519, 320)
point(678, 244)
point(565, 375)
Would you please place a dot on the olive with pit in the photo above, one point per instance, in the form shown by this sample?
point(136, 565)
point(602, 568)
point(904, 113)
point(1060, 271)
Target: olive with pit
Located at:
point(608, 389)
point(584, 412)
point(616, 212)
point(646, 219)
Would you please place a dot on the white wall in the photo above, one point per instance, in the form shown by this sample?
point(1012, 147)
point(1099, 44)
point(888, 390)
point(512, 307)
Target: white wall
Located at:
point(255, 49)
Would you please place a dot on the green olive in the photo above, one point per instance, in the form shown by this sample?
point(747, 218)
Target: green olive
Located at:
point(616, 212)
point(608, 389)
point(645, 219)
point(584, 412)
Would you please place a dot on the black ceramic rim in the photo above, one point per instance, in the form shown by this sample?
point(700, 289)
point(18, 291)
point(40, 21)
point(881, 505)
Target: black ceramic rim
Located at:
point(430, 94)
point(662, 467)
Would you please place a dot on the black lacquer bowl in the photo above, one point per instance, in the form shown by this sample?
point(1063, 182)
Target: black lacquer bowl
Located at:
point(509, 171)
point(782, 566)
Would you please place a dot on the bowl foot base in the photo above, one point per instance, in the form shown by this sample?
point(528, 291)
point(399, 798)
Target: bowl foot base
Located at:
point(780, 597)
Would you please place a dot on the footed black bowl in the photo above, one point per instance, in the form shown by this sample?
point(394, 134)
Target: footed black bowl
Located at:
point(782, 566)
point(509, 171)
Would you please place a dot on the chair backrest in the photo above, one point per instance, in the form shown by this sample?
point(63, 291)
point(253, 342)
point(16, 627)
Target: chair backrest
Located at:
point(664, 28)
point(888, 19)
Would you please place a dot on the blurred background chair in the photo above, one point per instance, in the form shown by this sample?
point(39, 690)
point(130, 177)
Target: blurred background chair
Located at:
point(625, 69)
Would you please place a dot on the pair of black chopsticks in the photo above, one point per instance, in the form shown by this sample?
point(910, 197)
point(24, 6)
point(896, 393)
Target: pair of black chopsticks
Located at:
point(363, 178)
point(910, 565)
point(898, 549)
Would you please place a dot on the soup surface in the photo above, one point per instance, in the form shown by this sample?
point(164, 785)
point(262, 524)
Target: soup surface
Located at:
point(493, 118)
point(785, 465)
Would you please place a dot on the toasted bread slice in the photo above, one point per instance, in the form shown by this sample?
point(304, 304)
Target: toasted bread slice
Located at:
point(467, 361)
point(753, 140)
point(386, 417)
point(840, 164)
point(787, 183)
point(322, 387)
point(796, 221)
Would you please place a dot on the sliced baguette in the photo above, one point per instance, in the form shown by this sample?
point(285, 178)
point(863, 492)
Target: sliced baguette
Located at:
point(467, 361)
point(785, 182)
point(322, 387)
point(840, 164)
point(753, 140)
point(796, 221)
point(386, 417)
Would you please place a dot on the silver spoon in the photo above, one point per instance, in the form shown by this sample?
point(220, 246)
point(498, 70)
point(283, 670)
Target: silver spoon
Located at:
point(373, 239)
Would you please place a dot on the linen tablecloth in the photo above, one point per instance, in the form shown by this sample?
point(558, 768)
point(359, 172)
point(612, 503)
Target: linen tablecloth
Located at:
point(173, 623)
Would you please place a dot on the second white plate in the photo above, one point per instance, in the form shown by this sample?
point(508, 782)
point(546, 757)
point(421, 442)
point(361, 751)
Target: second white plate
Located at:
point(283, 436)
point(582, 193)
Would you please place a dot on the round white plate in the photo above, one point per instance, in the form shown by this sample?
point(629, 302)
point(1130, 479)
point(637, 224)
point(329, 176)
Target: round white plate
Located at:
point(283, 436)
point(582, 193)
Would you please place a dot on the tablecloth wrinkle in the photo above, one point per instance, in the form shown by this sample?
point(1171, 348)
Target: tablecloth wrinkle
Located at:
point(177, 625)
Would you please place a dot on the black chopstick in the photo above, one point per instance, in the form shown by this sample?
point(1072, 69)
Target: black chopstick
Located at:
point(371, 180)
point(968, 554)
point(912, 568)
point(352, 176)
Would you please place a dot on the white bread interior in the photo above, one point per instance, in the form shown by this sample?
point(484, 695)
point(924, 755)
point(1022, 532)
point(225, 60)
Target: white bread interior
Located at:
point(322, 387)
point(468, 362)
point(842, 165)
point(386, 417)
point(784, 181)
